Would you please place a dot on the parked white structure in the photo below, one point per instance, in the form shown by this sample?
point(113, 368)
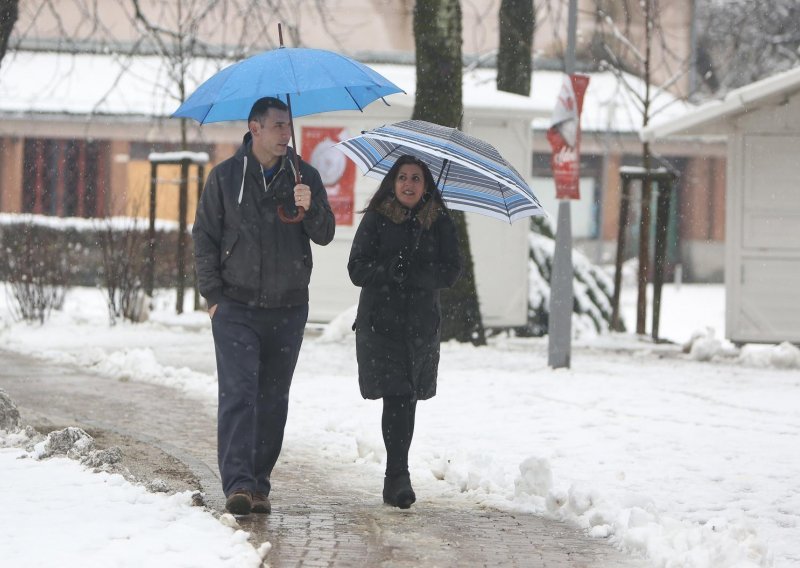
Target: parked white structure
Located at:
point(499, 250)
point(761, 122)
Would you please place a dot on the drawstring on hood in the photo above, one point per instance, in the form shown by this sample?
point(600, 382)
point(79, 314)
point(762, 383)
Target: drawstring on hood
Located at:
point(244, 175)
point(246, 140)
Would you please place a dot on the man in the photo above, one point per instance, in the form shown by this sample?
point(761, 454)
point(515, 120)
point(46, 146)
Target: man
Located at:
point(253, 270)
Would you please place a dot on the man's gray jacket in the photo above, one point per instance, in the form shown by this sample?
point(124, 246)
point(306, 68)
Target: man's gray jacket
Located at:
point(242, 249)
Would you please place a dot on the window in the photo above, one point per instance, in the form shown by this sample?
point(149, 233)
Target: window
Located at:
point(65, 178)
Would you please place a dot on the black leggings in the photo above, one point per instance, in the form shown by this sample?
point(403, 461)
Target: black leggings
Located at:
point(397, 423)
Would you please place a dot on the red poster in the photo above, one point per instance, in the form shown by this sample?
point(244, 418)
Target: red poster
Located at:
point(565, 137)
point(337, 172)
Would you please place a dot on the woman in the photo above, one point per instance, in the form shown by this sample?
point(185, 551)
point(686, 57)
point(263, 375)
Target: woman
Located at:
point(404, 252)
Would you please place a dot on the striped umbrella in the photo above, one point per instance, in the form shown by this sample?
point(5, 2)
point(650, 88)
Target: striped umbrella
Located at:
point(472, 175)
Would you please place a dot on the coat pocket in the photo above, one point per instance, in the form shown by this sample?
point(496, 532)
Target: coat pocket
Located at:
point(228, 245)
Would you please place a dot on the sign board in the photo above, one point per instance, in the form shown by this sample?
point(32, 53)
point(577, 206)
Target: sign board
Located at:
point(565, 136)
point(337, 172)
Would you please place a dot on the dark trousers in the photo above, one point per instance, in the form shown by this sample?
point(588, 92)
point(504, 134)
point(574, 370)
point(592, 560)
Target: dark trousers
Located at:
point(397, 423)
point(257, 350)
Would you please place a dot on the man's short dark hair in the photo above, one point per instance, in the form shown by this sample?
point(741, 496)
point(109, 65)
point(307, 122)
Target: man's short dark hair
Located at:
point(262, 106)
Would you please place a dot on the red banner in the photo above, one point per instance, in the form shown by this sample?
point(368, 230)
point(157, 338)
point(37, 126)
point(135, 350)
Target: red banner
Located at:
point(565, 136)
point(337, 172)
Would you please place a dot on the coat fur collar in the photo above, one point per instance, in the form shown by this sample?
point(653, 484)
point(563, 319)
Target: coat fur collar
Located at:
point(396, 213)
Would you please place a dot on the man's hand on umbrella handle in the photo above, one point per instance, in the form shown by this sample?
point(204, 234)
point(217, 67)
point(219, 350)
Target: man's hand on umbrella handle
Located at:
point(302, 196)
point(302, 200)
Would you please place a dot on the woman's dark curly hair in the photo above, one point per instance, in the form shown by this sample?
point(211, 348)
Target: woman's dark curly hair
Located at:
point(386, 188)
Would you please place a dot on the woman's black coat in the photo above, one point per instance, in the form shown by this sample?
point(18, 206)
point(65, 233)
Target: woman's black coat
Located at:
point(401, 258)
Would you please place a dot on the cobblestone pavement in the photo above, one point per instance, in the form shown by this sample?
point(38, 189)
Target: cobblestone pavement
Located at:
point(318, 520)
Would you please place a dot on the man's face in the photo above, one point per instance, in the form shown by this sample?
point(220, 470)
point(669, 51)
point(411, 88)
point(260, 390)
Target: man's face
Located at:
point(271, 135)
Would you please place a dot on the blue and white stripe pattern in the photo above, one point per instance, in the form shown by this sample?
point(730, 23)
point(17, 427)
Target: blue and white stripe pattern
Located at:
point(470, 173)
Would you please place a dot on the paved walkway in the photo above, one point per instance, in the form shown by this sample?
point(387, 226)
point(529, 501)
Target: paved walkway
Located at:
point(317, 520)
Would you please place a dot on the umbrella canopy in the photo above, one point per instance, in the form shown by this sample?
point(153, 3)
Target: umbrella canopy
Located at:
point(472, 175)
point(317, 80)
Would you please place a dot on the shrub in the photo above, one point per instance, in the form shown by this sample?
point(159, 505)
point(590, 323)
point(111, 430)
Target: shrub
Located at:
point(37, 272)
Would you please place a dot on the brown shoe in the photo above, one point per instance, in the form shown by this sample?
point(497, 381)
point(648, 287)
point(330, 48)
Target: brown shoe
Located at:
point(240, 502)
point(261, 504)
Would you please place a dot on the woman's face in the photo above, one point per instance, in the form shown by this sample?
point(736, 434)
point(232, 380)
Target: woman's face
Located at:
point(409, 185)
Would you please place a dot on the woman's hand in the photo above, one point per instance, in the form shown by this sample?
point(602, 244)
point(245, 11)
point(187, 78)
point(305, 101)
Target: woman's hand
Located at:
point(398, 270)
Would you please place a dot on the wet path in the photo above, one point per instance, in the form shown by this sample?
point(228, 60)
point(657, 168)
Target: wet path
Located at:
point(318, 519)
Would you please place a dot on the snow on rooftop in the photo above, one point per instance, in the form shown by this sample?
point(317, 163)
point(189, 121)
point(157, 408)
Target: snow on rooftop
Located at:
point(699, 121)
point(114, 84)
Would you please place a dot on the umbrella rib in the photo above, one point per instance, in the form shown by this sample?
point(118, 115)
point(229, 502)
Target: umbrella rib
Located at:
point(441, 171)
point(505, 203)
point(354, 99)
point(447, 163)
point(291, 68)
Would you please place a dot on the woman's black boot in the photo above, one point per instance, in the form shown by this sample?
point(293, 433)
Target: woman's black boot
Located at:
point(397, 491)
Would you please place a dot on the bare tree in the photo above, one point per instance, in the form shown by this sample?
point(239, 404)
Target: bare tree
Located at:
point(437, 35)
point(178, 32)
point(626, 36)
point(8, 17)
point(741, 41)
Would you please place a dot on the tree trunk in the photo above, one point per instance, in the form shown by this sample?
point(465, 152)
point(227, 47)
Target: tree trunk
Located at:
point(8, 17)
point(437, 36)
point(644, 220)
point(516, 40)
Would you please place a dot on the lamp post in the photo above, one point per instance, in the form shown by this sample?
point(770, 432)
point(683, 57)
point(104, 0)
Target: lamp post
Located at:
point(561, 294)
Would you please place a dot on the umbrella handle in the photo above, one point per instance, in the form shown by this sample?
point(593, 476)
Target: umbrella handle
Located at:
point(301, 212)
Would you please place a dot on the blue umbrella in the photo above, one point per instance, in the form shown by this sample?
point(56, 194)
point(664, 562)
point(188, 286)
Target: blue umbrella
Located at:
point(307, 80)
point(316, 80)
point(470, 173)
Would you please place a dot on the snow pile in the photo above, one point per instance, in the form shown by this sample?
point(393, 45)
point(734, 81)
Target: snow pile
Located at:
point(535, 480)
point(12, 433)
point(783, 356)
point(98, 519)
point(637, 526)
point(102, 459)
point(71, 442)
point(340, 327)
point(704, 346)
point(133, 364)
point(9, 415)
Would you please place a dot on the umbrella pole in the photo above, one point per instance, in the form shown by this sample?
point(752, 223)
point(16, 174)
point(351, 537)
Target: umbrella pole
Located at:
point(297, 178)
point(301, 212)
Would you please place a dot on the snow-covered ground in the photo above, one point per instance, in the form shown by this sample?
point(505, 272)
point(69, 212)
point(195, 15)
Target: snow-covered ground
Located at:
point(57, 513)
point(688, 459)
